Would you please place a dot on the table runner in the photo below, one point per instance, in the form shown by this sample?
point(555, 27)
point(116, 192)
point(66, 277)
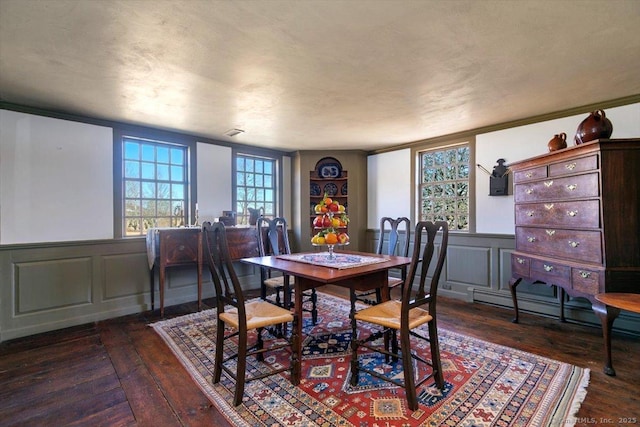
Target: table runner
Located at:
point(339, 260)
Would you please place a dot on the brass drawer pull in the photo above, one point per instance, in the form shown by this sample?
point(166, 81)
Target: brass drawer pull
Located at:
point(548, 206)
point(572, 213)
point(529, 213)
point(520, 260)
point(528, 174)
point(572, 187)
point(584, 274)
point(570, 166)
point(547, 267)
point(548, 183)
point(529, 190)
point(551, 232)
point(574, 244)
point(531, 239)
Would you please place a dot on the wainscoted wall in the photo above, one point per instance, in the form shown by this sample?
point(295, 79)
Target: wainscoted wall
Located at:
point(478, 269)
point(52, 286)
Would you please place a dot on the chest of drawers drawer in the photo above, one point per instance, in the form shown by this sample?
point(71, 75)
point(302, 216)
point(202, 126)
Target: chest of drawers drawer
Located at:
point(586, 281)
point(577, 165)
point(574, 214)
point(530, 174)
point(551, 271)
point(571, 187)
point(578, 245)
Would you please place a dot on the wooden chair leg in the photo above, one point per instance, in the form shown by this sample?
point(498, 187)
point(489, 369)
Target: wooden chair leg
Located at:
point(217, 369)
point(355, 367)
point(435, 355)
point(260, 345)
point(314, 308)
point(407, 363)
point(241, 367)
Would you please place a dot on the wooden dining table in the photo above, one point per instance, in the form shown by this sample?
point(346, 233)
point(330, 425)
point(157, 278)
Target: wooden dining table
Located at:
point(372, 274)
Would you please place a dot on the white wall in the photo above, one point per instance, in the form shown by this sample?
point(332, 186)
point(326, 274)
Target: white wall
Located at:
point(390, 185)
point(56, 180)
point(214, 181)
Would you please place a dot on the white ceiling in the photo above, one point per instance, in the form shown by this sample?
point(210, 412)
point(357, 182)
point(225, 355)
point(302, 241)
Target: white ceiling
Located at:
point(330, 74)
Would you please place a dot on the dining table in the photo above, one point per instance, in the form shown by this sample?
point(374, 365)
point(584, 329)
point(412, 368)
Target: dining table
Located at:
point(357, 271)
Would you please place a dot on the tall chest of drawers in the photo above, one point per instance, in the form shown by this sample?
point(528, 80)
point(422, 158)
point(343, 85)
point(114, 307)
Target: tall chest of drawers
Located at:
point(577, 218)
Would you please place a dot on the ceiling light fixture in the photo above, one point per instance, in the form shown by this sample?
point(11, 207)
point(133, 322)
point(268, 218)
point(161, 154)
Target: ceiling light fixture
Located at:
point(233, 132)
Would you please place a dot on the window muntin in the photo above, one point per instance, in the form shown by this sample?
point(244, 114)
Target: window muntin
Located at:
point(255, 186)
point(443, 193)
point(155, 179)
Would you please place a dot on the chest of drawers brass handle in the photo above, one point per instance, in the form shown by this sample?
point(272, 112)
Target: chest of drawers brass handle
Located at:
point(520, 260)
point(574, 244)
point(585, 274)
point(570, 166)
point(548, 206)
point(531, 239)
point(548, 183)
point(572, 213)
point(551, 232)
point(528, 174)
point(547, 267)
point(529, 213)
point(529, 190)
point(572, 187)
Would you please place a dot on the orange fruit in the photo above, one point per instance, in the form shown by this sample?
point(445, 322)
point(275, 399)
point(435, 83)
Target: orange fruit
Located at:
point(331, 238)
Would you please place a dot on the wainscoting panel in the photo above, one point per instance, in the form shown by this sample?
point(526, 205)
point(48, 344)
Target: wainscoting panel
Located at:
point(51, 284)
point(469, 266)
point(123, 276)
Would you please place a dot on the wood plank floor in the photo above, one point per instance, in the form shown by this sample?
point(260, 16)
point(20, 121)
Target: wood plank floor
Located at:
point(120, 373)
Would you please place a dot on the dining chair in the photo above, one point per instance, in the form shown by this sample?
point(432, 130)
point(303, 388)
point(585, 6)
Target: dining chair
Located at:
point(273, 239)
point(416, 308)
point(240, 317)
point(394, 242)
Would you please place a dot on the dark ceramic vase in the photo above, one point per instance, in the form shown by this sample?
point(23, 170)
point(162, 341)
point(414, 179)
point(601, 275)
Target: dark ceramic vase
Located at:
point(595, 126)
point(558, 142)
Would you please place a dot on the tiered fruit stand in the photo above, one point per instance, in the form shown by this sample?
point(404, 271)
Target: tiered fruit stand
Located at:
point(330, 224)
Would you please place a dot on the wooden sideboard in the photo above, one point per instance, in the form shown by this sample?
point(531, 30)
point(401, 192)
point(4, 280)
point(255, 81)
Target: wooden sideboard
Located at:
point(170, 247)
point(577, 218)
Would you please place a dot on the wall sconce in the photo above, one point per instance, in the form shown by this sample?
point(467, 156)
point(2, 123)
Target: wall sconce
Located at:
point(498, 179)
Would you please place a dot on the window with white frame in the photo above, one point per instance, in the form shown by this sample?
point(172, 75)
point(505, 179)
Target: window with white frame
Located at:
point(444, 186)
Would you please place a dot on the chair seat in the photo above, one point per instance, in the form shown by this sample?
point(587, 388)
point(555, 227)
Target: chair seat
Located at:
point(387, 314)
point(259, 315)
point(278, 282)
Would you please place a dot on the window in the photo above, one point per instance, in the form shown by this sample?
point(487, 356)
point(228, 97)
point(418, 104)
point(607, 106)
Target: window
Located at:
point(444, 186)
point(255, 185)
point(155, 185)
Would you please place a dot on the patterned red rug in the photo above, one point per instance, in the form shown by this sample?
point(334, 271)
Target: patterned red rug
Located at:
point(485, 384)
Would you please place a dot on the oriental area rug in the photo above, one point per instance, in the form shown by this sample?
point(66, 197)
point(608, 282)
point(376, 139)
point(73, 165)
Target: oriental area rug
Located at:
point(485, 384)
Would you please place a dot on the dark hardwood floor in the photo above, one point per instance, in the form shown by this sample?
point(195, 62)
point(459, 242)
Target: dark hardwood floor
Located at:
point(120, 373)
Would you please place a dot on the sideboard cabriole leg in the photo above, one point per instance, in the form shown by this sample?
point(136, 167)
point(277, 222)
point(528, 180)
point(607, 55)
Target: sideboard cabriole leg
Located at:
point(607, 315)
point(513, 283)
point(153, 286)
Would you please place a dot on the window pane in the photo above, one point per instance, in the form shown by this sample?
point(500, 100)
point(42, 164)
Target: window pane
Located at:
point(148, 171)
point(132, 189)
point(177, 191)
point(131, 169)
point(162, 172)
point(164, 191)
point(177, 173)
point(149, 153)
point(149, 190)
point(163, 155)
point(177, 156)
point(131, 150)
